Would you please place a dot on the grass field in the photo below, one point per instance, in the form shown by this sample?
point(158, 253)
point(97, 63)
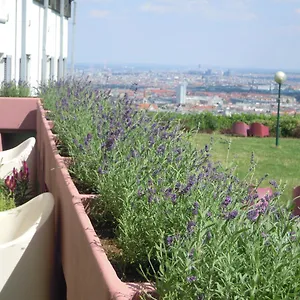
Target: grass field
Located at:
point(282, 163)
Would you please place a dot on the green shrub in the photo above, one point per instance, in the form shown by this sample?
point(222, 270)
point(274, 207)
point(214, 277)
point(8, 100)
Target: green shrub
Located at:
point(208, 122)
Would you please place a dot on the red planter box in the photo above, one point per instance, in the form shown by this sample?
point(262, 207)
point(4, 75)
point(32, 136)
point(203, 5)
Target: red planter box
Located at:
point(257, 129)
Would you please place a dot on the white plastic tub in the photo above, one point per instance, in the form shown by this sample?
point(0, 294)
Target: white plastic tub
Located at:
point(14, 157)
point(27, 250)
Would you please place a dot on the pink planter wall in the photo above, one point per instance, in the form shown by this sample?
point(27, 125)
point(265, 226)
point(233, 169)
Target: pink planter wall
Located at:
point(17, 114)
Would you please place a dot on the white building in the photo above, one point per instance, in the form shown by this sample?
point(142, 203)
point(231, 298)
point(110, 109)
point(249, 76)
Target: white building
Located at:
point(181, 93)
point(33, 40)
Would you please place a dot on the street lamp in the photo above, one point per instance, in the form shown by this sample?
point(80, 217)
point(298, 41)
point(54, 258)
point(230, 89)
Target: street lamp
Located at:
point(280, 78)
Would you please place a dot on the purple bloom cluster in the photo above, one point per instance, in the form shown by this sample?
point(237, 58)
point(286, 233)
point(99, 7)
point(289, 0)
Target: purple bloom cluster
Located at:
point(227, 201)
point(231, 215)
point(191, 279)
point(191, 226)
point(195, 208)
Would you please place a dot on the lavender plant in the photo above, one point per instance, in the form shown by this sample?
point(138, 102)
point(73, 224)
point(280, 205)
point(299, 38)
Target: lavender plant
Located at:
point(238, 253)
point(200, 224)
point(14, 89)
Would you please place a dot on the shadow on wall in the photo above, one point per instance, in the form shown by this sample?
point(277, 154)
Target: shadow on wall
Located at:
point(12, 139)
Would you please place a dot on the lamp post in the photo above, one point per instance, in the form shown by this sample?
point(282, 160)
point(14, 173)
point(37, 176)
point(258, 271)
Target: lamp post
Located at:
point(280, 78)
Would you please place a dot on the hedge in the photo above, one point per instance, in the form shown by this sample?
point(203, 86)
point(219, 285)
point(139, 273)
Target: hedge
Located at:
point(208, 122)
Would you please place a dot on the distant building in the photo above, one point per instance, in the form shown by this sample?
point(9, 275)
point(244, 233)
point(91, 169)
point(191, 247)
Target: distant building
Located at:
point(208, 72)
point(181, 93)
point(148, 106)
point(227, 73)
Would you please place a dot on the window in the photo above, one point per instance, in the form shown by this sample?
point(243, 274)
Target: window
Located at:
point(1, 68)
point(55, 5)
point(68, 8)
point(39, 1)
point(28, 66)
point(7, 68)
point(64, 73)
point(52, 68)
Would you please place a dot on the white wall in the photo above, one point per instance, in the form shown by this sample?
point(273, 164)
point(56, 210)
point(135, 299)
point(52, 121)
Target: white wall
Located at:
point(11, 39)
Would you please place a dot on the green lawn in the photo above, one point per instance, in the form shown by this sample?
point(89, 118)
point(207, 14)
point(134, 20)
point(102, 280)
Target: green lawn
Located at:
point(282, 163)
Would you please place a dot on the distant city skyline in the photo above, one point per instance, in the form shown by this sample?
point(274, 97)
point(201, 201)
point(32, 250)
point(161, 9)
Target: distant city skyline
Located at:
point(225, 33)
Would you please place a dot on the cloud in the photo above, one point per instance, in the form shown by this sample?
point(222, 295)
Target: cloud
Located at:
point(290, 30)
point(297, 11)
point(169, 6)
point(100, 14)
point(156, 8)
point(230, 10)
point(98, 1)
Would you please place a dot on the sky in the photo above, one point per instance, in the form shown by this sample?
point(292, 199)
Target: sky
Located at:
point(227, 33)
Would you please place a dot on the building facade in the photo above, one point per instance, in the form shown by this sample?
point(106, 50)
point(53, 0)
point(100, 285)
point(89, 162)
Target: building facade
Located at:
point(181, 93)
point(33, 40)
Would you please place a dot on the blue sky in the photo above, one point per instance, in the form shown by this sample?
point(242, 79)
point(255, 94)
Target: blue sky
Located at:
point(227, 33)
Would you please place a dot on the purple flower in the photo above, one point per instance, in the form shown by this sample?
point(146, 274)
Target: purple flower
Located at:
point(191, 279)
point(170, 240)
point(133, 153)
point(161, 149)
point(195, 208)
point(231, 215)
point(273, 183)
point(173, 198)
point(253, 214)
point(262, 205)
point(190, 227)
point(276, 194)
point(89, 137)
point(150, 199)
point(140, 193)
point(292, 235)
point(208, 214)
point(226, 202)
point(264, 235)
point(191, 253)
point(177, 186)
point(100, 171)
